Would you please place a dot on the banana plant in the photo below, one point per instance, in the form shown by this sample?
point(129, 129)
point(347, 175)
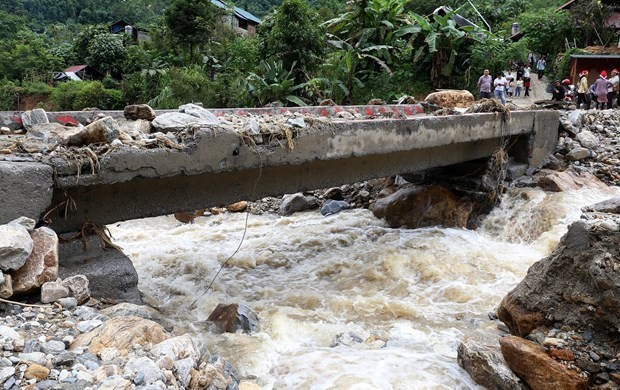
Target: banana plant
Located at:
point(274, 84)
point(437, 38)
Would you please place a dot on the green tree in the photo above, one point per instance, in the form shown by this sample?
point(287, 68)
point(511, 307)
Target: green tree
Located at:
point(589, 18)
point(292, 35)
point(107, 53)
point(28, 56)
point(191, 23)
point(84, 39)
point(546, 32)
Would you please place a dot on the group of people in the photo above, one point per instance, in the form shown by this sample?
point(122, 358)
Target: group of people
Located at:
point(602, 92)
point(504, 85)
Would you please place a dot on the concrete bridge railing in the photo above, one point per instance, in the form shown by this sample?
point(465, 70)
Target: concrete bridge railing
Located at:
point(219, 167)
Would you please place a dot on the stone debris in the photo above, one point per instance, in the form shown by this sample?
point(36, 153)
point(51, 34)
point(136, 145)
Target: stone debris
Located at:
point(52, 346)
point(591, 142)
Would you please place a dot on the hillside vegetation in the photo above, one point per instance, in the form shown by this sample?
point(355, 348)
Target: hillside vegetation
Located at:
point(303, 52)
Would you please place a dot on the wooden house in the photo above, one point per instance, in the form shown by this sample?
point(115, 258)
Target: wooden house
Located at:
point(239, 19)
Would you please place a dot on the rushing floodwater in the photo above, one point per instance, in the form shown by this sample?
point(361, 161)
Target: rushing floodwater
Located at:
point(320, 283)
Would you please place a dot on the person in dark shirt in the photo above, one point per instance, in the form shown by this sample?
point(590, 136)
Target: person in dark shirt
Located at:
point(558, 91)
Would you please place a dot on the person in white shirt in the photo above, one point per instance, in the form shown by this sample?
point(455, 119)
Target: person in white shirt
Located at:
point(612, 89)
point(519, 87)
point(526, 72)
point(500, 84)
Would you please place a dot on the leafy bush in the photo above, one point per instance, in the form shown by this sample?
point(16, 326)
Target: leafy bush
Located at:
point(180, 86)
point(77, 95)
point(37, 88)
point(8, 95)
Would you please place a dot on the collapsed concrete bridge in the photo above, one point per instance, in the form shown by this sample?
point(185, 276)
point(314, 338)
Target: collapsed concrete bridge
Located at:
point(220, 167)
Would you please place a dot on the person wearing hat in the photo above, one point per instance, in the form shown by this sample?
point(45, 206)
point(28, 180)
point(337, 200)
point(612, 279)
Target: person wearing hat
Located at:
point(600, 90)
point(612, 88)
point(583, 90)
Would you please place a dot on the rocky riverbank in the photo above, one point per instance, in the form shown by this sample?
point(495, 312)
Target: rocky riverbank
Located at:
point(560, 325)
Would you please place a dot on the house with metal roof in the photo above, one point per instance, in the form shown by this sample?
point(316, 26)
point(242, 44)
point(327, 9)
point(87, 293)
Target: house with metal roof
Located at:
point(78, 73)
point(239, 19)
point(594, 59)
point(136, 34)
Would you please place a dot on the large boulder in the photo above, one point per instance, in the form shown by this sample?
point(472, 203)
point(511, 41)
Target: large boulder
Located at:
point(34, 117)
point(205, 115)
point(139, 111)
point(110, 273)
point(15, 246)
point(52, 133)
point(234, 317)
point(42, 264)
point(451, 98)
point(567, 180)
point(104, 130)
point(416, 206)
point(121, 334)
point(577, 285)
point(481, 357)
point(539, 370)
point(297, 202)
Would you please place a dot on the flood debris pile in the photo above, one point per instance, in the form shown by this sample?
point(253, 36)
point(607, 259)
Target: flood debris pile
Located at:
point(82, 148)
point(590, 140)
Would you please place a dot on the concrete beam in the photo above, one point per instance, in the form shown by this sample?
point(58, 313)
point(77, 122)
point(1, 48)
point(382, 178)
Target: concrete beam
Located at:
point(219, 168)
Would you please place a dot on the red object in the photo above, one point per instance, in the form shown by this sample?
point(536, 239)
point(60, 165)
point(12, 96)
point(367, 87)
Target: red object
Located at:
point(67, 120)
point(566, 81)
point(604, 74)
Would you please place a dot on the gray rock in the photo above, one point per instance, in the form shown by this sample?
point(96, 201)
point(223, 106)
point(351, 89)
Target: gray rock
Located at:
point(578, 153)
point(127, 309)
point(52, 133)
point(53, 347)
point(68, 303)
point(78, 288)
point(587, 139)
point(110, 273)
point(146, 367)
point(53, 291)
point(183, 370)
point(177, 121)
point(34, 357)
point(334, 206)
point(32, 345)
point(34, 117)
point(6, 373)
point(87, 326)
point(297, 202)
point(67, 359)
point(15, 246)
point(27, 223)
point(485, 364)
point(196, 111)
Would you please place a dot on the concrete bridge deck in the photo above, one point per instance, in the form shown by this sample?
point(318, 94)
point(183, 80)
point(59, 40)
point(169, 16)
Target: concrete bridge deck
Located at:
point(218, 166)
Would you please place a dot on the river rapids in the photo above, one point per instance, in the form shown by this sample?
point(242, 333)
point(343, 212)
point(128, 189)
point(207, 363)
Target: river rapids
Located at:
point(345, 302)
